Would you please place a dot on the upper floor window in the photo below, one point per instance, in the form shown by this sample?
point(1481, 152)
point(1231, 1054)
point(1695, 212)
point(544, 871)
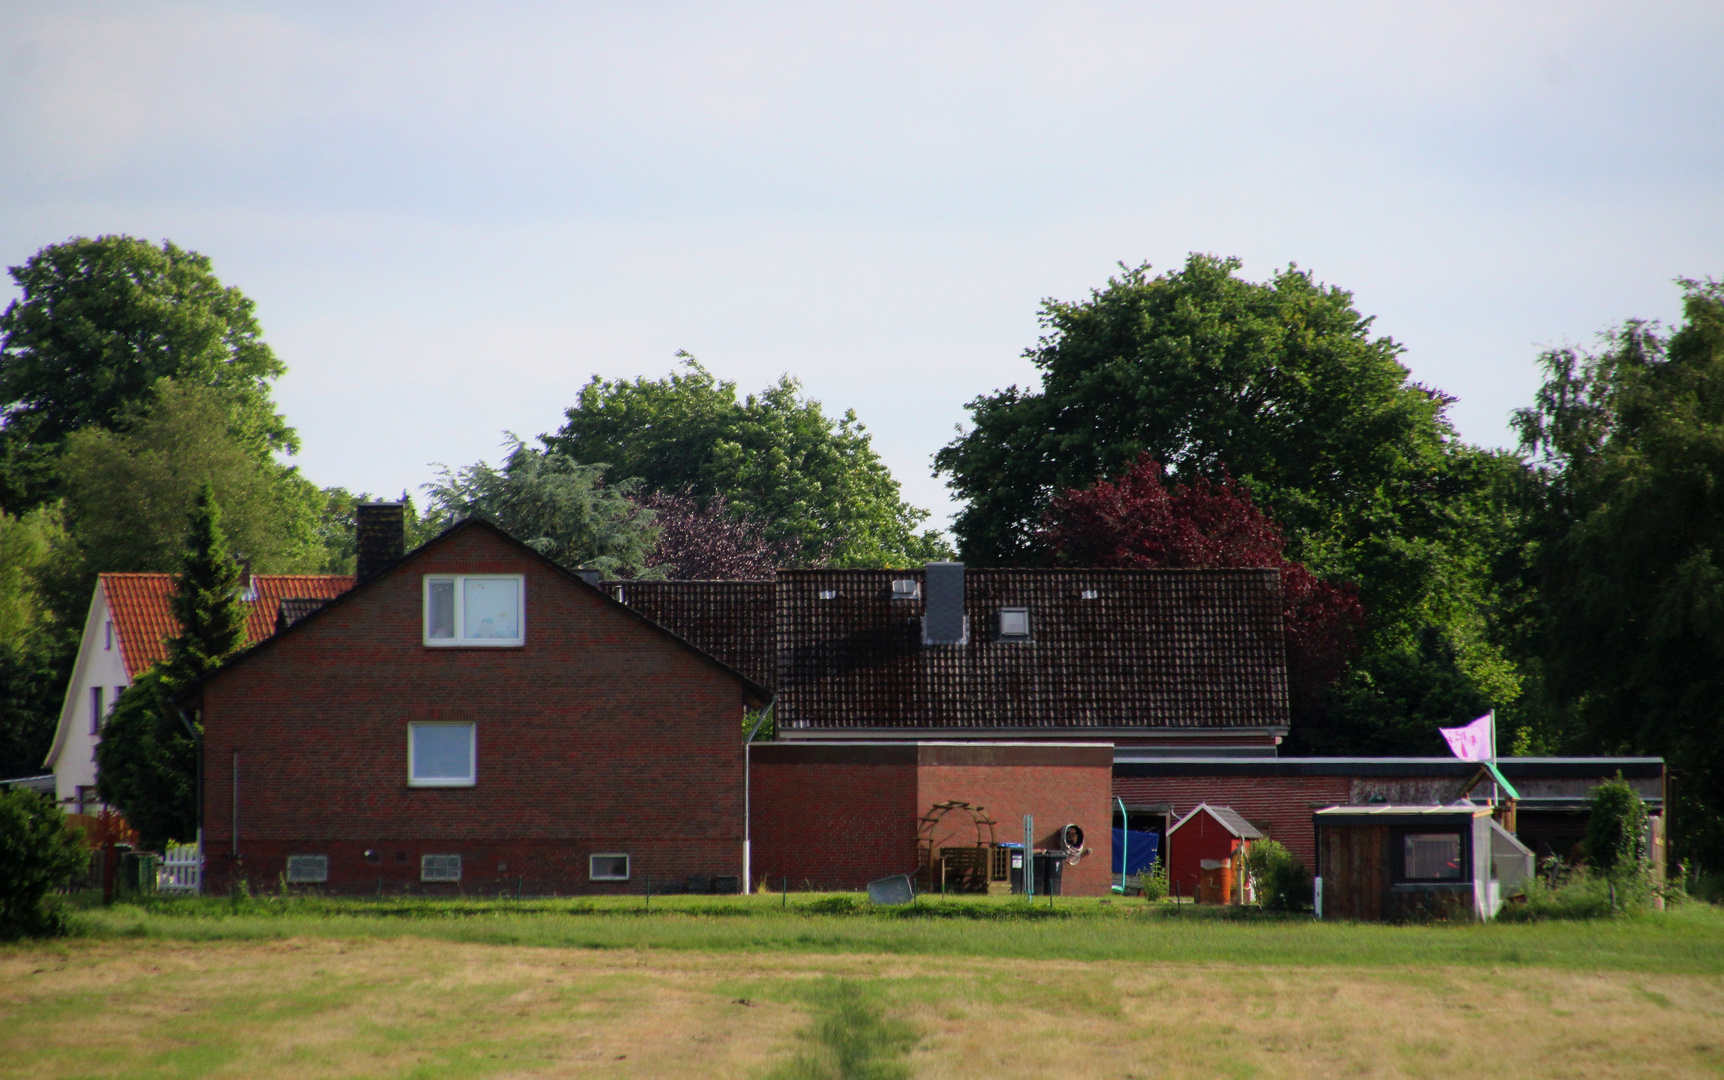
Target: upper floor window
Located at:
point(108, 635)
point(474, 609)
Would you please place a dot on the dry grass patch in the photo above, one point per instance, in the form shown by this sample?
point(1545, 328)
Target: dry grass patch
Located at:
point(411, 1007)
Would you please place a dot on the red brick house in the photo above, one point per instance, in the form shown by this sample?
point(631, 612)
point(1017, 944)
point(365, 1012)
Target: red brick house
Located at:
point(470, 716)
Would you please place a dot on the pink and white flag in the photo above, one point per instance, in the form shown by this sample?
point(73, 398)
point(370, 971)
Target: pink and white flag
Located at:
point(1473, 742)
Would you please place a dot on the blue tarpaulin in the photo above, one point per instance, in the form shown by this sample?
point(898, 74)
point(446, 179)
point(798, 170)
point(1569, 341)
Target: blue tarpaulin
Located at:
point(1142, 849)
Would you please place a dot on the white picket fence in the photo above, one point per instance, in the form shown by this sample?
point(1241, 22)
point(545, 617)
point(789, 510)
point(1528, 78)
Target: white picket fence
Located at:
point(182, 869)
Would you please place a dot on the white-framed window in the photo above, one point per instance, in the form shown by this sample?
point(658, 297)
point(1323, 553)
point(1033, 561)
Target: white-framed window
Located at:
point(442, 755)
point(475, 609)
point(611, 866)
point(439, 868)
point(307, 869)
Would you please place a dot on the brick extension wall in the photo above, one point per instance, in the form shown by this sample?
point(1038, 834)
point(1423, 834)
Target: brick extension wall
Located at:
point(1280, 806)
point(600, 734)
point(838, 815)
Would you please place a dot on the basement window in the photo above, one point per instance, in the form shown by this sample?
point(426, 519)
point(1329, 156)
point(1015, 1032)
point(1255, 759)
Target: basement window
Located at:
point(1014, 624)
point(441, 755)
point(439, 868)
point(610, 867)
point(474, 609)
point(1431, 856)
point(307, 869)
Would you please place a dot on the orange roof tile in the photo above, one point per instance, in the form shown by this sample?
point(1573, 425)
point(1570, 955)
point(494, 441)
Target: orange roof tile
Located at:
point(138, 604)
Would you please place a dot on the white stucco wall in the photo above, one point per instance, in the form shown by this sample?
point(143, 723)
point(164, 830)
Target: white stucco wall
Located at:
point(72, 757)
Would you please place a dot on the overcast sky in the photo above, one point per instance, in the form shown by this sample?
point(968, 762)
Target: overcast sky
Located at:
point(450, 217)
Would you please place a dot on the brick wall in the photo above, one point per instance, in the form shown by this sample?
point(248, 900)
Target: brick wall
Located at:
point(831, 820)
point(840, 815)
point(1280, 806)
point(600, 734)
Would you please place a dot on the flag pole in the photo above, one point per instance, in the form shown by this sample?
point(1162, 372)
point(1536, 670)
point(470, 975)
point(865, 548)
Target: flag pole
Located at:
point(1493, 759)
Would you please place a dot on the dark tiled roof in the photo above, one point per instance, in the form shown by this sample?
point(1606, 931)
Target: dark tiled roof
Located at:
point(1148, 648)
point(730, 620)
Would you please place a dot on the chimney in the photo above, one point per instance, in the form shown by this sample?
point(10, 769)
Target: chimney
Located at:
point(379, 536)
point(943, 622)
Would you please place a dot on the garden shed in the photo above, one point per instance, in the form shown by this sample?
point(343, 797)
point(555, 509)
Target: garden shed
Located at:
point(1205, 852)
point(1387, 863)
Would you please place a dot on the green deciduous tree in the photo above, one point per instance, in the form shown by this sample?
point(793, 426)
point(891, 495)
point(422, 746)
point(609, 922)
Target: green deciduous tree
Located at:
point(39, 850)
point(1629, 445)
point(147, 759)
point(36, 645)
point(775, 456)
point(560, 508)
point(1281, 385)
point(99, 323)
point(129, 492)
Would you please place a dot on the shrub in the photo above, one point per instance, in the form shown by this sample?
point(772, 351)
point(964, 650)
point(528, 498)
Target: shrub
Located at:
point(1579, 893)
point(1616, 830)
point(1281, 881)
point(38, 852)
point(1155, 882)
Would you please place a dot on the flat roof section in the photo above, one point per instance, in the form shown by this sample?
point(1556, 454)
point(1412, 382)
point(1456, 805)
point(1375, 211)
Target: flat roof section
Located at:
point(1144, 761)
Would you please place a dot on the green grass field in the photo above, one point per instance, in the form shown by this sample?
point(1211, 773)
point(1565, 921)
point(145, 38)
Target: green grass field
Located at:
point(747, 987)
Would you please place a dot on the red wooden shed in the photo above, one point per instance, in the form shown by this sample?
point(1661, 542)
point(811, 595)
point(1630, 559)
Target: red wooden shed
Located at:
point(1209, 833)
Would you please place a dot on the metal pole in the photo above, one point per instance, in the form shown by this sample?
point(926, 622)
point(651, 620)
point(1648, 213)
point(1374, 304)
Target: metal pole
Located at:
point(747, 810)
point(1493, 758)
point(1029, 857)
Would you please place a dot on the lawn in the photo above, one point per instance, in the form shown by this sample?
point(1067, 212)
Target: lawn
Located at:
point(747, 988)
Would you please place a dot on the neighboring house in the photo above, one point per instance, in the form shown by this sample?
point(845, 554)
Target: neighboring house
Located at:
point(125, 633)
point(901, 690)
point(1180, 672)
point(471, 716)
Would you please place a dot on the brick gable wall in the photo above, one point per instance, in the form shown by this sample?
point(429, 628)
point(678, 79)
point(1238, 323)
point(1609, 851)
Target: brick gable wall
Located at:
point(600, 734)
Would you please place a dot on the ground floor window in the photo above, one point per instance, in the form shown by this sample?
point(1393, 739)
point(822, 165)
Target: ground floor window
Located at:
point(1431, 856)
point(441, 755)
point(440, 868)
point(307, 868)
point(611, 867)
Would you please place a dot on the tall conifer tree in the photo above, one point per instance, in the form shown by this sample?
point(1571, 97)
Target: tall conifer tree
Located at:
point(206, 601)
point(147, 760)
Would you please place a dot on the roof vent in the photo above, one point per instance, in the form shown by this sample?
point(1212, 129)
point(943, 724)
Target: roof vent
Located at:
point(831, 594)
point(1088, 594)
point(906, 588)
point(944, 622)
point(379, 536)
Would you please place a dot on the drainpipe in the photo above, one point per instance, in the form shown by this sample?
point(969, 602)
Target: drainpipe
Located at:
point(747, 809)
